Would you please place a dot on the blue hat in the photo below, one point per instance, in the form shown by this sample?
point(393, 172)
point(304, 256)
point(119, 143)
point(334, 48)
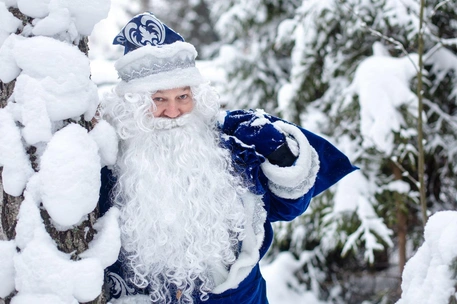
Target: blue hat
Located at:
point(145, 29)
point(155, 57)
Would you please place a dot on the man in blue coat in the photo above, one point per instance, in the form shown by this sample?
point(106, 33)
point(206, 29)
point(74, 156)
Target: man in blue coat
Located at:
point(198, 188)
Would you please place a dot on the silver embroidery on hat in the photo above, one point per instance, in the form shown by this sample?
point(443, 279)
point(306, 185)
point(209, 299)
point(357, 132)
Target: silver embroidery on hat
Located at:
point(154, 66)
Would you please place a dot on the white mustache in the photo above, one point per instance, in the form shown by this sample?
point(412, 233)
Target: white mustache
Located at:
point(160, 123)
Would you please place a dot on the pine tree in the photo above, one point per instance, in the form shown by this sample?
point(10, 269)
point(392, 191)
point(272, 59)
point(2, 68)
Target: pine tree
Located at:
point(255, 68)
point(326, 50)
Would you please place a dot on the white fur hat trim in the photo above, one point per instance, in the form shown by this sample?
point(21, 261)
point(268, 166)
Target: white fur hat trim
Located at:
point(152, 68)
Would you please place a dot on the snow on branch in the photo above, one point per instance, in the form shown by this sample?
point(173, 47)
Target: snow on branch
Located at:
point(16, 165)
point(372, 232)
point(382, 84)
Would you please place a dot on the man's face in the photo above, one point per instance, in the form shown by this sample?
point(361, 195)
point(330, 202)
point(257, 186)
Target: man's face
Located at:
point(172, 103)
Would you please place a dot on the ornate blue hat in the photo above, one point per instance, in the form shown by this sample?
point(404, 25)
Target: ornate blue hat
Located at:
point(155, 57)
point(145, 29)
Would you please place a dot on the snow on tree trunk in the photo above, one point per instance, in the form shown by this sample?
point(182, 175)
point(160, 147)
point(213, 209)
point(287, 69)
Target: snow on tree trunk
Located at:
point(10, 206)
point(53, 247)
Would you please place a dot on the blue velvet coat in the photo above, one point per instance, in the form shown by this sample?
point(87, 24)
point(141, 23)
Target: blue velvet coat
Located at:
point(252, 289)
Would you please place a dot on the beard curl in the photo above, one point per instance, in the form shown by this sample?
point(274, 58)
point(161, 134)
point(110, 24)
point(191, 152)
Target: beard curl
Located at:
point(132, 113)
point(181, 213)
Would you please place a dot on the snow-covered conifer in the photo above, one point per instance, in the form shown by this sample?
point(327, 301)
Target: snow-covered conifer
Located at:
point(349, 72)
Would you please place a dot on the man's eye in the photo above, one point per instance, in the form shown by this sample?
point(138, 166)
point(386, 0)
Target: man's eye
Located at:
point(158, 99)
point(184, 96)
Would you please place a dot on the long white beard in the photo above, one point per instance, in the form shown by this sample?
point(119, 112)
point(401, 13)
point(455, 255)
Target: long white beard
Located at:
point(181, 214)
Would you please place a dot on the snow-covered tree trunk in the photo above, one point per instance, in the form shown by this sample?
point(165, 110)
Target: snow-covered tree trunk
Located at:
point(2, 234)
point(74, 241)
point(10, 204)
point(53, 246)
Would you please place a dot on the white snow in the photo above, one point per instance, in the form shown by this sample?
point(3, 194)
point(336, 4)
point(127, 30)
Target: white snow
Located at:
point(285, 95)
point(29, 218)
point(107, 242)
point(42, 269)
point(382, 84)
point(106, 138)
point(101, 38)
point(40, 299)
point(86, 13)
point(32, 110)
point(7, 252)
point(70, 175)
point(8, 23)
point(34, 8)
point(9, 69)
point(57, 21)
point(45, 273)
point(103, 72)
point(444, 61)
point(352, 194)
point(58, 73)
point(16, 164)
point(428, 277)
point(10, 3)
point(282, 285)
point(56, 16)
point(399, 186)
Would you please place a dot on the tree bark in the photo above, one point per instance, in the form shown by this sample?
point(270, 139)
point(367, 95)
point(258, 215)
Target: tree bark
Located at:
point(9, 212)
point(2, 233)
point(402, 226)
point(420, 133)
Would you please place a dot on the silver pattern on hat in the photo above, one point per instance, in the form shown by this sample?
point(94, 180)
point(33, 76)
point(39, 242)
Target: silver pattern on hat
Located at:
point(154, 65)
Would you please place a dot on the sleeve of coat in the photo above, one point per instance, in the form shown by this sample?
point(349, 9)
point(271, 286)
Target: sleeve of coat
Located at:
point(288, 190)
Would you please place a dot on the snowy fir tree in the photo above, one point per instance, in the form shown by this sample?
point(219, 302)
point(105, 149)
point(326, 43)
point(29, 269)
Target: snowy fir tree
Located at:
point(54, 248)
point(348, 69)
point(255, 69)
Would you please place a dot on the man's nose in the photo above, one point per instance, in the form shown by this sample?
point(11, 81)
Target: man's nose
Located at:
point(172, 110)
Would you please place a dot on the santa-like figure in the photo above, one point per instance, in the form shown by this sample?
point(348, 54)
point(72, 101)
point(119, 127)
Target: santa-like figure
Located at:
point(198, 187)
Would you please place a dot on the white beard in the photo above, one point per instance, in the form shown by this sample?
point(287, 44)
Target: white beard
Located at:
point(181, 213)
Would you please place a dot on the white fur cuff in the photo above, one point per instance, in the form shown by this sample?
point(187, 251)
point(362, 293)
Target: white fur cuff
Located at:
point(294, 181)
point(176, 78)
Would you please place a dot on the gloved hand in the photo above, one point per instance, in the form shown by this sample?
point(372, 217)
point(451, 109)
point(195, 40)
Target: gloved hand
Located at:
point(254, 128)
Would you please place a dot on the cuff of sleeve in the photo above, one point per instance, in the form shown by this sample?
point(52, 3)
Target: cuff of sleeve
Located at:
point(294, 181)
